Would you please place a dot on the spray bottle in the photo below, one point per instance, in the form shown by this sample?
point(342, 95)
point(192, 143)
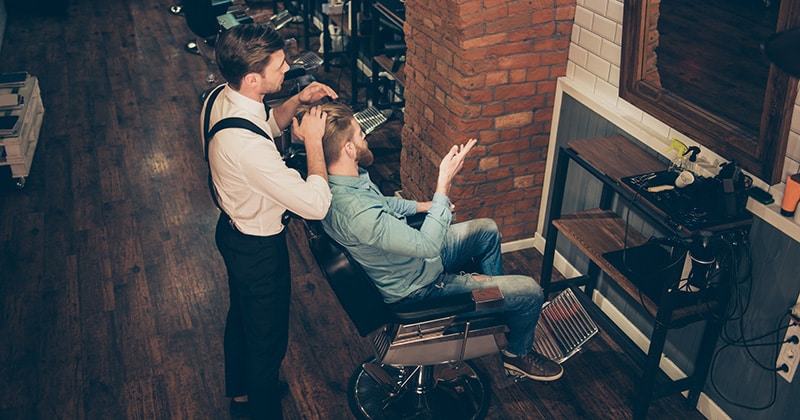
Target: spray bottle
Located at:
point(678, 163)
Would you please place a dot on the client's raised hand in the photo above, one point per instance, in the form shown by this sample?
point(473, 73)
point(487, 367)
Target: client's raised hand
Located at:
point(451, 165)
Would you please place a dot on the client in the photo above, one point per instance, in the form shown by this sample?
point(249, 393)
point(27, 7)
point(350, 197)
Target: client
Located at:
point(409, 265)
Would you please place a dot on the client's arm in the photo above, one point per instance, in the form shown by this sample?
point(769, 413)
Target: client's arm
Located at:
point(381, 229)
point(424, 206)
point(449, 167)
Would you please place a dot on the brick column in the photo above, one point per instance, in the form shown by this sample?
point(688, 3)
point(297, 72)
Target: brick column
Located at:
point(485, 69)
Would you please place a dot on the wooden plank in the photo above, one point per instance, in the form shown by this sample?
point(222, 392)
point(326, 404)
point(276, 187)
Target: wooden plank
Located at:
point(616, 156)
point(596, 232)
point(387, 63)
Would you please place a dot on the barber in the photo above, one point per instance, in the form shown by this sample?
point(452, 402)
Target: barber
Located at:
point(253, 188)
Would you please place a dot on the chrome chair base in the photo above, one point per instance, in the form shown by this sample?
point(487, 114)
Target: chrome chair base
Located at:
point(426, 392)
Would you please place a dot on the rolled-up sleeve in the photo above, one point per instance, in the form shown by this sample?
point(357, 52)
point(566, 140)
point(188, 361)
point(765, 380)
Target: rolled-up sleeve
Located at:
point(401, 206)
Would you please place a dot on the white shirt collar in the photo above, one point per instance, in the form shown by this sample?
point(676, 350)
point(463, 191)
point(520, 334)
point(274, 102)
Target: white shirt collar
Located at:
point(256, 108)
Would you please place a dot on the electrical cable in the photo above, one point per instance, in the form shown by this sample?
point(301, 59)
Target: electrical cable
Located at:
point(747, 278)
point(341, 72)
point(732, 275)
point(774, 382)
point(625, 246)
point(741, 301)
point(726, 268)
point(740, 276)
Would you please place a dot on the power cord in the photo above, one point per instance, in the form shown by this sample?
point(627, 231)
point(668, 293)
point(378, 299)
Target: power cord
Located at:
point(741, 293)
point(747, 344)
point(734, 265)
point(739, 253)
point(726, 267)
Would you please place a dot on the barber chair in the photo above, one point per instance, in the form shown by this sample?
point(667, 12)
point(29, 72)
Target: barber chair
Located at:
point(201, 18)
point(421, 365)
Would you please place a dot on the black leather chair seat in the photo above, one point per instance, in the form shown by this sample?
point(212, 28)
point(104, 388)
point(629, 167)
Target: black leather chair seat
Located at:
point(421, 367)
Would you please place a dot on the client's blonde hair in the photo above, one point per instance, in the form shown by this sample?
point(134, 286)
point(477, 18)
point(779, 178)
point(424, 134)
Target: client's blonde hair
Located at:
point(338, 128)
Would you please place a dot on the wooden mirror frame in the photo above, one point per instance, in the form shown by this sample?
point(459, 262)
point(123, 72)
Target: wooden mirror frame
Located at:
point(762, 154)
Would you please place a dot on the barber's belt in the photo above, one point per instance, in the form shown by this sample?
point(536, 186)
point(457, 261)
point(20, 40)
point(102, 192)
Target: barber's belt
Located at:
point(285, 218)
point(232, 225)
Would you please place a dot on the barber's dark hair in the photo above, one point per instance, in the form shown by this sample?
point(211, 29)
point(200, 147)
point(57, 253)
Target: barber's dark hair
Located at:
point(244, 49)
point(338, 128)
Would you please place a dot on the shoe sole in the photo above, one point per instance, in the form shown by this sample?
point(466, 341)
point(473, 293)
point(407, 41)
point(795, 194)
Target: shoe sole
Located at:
point(512, 370)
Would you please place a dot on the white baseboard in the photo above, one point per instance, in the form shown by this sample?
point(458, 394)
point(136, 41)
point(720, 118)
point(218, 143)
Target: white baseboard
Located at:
point(517, 245)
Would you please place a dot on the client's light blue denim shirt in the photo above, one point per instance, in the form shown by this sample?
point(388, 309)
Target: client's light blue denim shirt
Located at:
point(399, 258)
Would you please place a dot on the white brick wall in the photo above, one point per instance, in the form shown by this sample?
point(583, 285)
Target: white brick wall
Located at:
point(594, 59)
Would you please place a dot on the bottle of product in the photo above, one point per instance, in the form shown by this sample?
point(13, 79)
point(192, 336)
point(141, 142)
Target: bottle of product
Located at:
point(691, 158)
point(791, 195)
point(679, 161)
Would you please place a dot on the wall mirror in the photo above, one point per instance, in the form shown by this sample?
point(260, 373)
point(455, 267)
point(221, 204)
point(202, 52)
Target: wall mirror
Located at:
point(698, 67)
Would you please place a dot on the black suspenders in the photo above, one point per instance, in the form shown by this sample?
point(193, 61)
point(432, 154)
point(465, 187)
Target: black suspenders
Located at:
point(230, 122)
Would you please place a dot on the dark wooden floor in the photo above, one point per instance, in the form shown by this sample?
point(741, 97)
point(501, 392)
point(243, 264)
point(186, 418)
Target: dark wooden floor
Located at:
point(112, 293)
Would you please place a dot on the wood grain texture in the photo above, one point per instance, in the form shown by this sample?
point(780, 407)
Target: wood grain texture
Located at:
point(112, 292)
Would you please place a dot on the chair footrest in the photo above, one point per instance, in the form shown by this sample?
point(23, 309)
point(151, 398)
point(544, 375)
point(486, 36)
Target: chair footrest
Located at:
point(564, 326)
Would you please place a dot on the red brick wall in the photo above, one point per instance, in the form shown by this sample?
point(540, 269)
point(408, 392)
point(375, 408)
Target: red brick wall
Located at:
point(485, 69)
point(651, 43)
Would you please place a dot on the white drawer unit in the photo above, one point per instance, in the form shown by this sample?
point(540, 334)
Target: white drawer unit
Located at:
point(18, 139)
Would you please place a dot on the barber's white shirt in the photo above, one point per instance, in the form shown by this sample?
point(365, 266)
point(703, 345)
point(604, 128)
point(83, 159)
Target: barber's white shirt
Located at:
point(253, 184)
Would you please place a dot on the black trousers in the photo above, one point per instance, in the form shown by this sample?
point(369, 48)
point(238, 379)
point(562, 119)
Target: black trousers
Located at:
point(257, 328)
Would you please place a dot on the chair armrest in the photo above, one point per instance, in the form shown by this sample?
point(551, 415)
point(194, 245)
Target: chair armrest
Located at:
point(439, 307)
point(486, 299)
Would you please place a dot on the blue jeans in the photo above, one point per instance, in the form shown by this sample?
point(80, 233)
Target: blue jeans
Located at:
point(479, 239)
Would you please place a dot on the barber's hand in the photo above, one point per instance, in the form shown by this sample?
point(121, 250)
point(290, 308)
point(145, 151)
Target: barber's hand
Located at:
point(315, 92)
point(451, 165)
point(312, 127)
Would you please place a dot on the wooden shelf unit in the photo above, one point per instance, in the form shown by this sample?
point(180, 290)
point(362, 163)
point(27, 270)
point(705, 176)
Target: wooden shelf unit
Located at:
point(387, 63)
point(18, 147)
point(597, 231)
point(348, 23)
point(382, 62)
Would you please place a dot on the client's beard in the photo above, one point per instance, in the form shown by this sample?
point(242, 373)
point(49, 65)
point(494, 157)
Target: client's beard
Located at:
point(365, 157)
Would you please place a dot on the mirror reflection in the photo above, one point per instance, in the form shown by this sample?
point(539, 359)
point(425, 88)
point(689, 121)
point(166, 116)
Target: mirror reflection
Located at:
point(709, 54)
point(697, 66)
